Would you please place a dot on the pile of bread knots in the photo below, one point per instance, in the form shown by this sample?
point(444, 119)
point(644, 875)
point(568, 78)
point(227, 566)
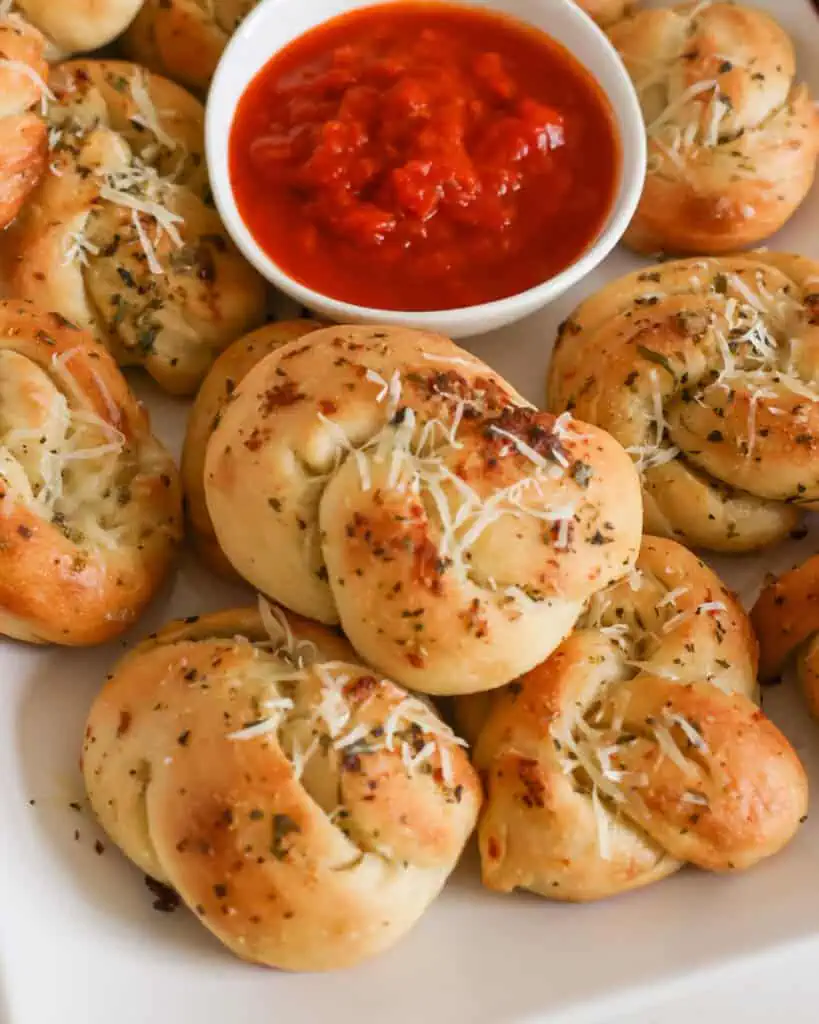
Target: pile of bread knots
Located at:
point(460, 625)
point(419, 532)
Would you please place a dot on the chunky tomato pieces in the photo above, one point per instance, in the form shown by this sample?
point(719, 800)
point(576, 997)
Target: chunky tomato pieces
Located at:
point(423, 156)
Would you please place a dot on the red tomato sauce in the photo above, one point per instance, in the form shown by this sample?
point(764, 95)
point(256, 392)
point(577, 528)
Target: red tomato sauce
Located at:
point(421, 156)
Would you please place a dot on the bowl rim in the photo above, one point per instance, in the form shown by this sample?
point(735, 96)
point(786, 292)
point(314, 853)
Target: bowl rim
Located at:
point(629, 188)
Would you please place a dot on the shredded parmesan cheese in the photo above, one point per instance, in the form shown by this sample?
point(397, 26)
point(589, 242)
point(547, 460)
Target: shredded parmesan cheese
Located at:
point(524, 449)
point(147, 115)
point(78, 249)
point(672, 596)
point(691, 734)
point(140, 189)
point(697, 89)
point(675, 621)
point(21, 68)
point(668, 748)
point(251, 732)
point(150, 253)
point(453, 360)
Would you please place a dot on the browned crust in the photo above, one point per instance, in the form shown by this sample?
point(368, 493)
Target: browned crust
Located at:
point(734, 794)
point(748, 461)
point(179, 39)
point(175, 323)
point(786, 619)
point(734, 192)
point(251, 848)
point(52, 589)
point(292, 515)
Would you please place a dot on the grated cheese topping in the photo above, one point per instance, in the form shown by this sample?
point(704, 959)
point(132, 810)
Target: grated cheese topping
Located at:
point(679, 103)
point(164, 218)
point(415, 456)
point(137, 187)
point(78, 248)
point(150, 252)
point(672, 596)
point(70, 468)
point(21, 68)
point(756, 333)
point(691, 734)
point(669, 749)
point(656, 452)
point(535, 457)
point(448, 360)
point(147, 115)
point(333, 713)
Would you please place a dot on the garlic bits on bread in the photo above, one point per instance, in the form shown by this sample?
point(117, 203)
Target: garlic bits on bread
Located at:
point(121, 237)
point(637, 747)
point(733, 137)
point(90, 508)
point(706, 371)
point(386, 480)
point(306, 809)
point(184, 39)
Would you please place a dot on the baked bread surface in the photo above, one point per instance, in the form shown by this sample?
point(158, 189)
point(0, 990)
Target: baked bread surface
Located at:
point(307, 810)
point(605, 12)
point(120, 237)
point(90, 508)
point(706, 370)
point(23, 95)
point(390, 481)
point(184, 39)
point(76, 26)
point(216, 391)
point(786, 620)
point(637, 747)
point(733, 137)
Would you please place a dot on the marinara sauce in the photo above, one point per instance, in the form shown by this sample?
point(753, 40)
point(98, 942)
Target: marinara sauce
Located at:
point(421, 156)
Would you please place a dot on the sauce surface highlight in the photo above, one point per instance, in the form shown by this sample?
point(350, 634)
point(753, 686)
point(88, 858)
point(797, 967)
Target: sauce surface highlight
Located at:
point(422, 156)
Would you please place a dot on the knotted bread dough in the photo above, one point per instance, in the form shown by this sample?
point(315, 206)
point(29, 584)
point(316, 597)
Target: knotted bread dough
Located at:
point(707, 371)
point(637, 747)
point(307, 810)
point(732, 139)
point(385, 479)
point(89, 500)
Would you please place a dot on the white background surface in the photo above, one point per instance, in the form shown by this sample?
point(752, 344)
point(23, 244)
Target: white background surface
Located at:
point(80, 943)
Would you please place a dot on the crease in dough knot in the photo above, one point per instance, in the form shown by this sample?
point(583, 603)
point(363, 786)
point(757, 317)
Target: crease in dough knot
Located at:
point(386, 479)
point(637, 747)
point(90, 508)
point(307, 810)
point(121, 237)
point(184, 39)
point(732, 138)
point(707, 371)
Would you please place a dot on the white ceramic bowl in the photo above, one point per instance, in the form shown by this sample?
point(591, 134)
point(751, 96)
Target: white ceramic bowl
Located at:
point(274, 23)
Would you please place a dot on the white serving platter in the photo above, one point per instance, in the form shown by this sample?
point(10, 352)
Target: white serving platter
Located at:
point(81, 944)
